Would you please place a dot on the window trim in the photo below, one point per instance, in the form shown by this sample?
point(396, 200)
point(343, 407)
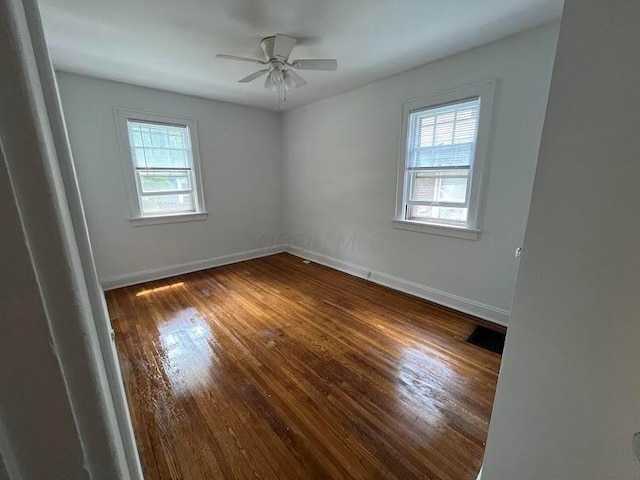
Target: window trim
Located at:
point(486, 92)
point(122, 115)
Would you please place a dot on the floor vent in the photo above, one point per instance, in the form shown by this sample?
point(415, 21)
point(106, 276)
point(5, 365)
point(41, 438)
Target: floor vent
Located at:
point(488, 339)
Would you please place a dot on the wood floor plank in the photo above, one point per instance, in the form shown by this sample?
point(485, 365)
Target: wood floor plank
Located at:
point(277, 369)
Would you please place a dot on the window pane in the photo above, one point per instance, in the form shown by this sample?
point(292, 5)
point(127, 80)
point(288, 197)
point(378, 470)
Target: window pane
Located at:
point(452, 190)
point(426, 132)
point(443, 156)
point(164, 181)
point(440, 154)
point(423, 188)
point(159, 138)
point(178, 157)
point(443, 136)
point(444, 215)
point(439, 186)
point(159, 146)
point(150, 157)
point(176, 141)
point(444, 129)
point(136, 138)
point(163, 204)
point(465, 131)
point(139, 157)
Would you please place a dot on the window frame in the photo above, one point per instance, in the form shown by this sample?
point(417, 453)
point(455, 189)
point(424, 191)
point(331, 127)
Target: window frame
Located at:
point(136, 217)
point(485, 91)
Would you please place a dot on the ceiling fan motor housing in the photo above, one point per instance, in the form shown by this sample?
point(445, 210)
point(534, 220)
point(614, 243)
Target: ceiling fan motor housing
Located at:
point(278, 47)
point(267, 47)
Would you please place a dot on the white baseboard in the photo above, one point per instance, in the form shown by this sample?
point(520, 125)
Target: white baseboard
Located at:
point(477, 309)
point(165, 272)
point(481, 310)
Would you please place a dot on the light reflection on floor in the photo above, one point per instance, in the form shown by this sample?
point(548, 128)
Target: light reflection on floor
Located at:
point(185, 344)
point(142, 293)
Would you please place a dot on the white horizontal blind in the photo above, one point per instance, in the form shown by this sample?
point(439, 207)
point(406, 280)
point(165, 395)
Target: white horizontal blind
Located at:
point(441, 146)
point(163, 164)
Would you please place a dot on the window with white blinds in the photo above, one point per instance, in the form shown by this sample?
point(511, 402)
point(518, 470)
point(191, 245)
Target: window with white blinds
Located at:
point(165, 174)
point(440, 154)
point(441, 161)
point(163, 167)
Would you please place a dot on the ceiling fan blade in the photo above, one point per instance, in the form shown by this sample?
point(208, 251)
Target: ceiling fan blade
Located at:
point(241, 59)
point(298, 81)
point(315, 64)
point(282, 46)
point(253, 76)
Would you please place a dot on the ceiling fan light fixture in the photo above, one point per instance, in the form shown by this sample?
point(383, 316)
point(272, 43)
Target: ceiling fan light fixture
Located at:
point(268, 83)
point(274, 80)
point(276, 76)
point(279, 71)
point(289, 82)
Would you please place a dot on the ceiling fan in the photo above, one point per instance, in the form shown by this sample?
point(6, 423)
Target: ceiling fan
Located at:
point(278, 68)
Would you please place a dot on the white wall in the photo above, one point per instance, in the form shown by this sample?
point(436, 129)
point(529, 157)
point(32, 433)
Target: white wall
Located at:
point(326, 173)
point(568, 399)
point(341, 157)
point(240, 150)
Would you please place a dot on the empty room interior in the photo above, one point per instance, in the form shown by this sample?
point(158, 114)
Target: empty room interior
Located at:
point(277, 239)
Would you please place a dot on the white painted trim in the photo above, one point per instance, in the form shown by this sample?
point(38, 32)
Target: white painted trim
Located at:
point(67, 280)
point(486, 92)
point(172, 270)
point(444, 230)
point(122, 115)
point(480, 310)
point(160, 219)
point(477, 309)
point(479, 475)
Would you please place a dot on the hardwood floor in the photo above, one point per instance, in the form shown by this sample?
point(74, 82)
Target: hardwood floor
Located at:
point(273, 368)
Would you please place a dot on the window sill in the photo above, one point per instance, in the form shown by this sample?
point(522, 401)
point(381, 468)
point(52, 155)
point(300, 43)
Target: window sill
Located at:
point(160, 219)
point(445, 230)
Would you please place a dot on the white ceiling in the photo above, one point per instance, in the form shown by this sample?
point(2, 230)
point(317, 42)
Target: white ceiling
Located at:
point(171, 44)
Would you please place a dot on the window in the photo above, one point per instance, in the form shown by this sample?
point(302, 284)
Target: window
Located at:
point(161, 162)
point(441, 161)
